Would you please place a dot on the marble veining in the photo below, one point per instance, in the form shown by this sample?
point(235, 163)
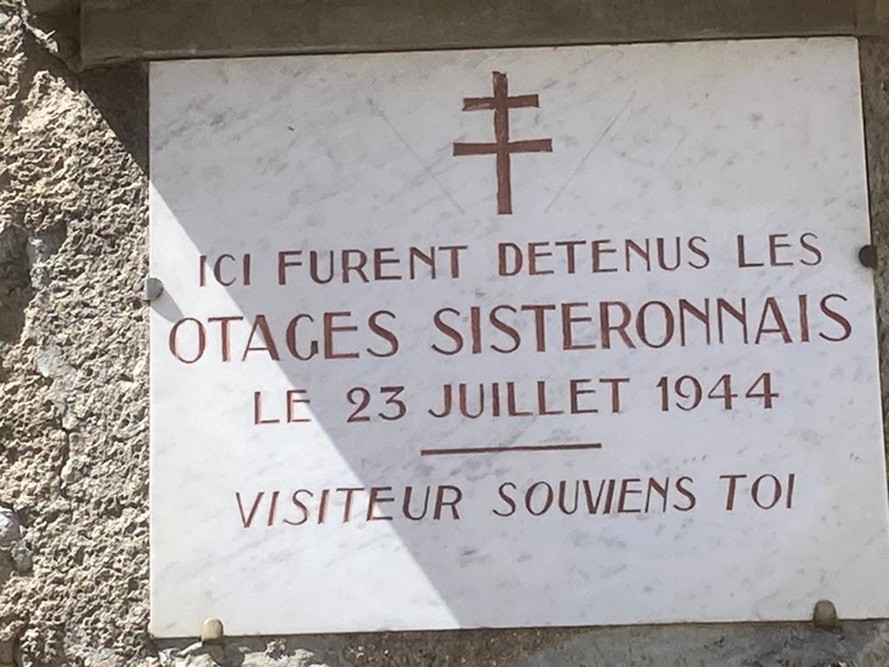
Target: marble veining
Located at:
point(519, 337)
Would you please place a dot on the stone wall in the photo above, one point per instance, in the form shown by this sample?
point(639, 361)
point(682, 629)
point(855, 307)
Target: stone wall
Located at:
point(73, 361)
point(74, 404)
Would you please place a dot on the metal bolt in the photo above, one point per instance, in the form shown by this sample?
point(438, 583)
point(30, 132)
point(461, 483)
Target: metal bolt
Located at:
point(867, 255)
point(212, 631)
point(825, 616)
point(153, 288)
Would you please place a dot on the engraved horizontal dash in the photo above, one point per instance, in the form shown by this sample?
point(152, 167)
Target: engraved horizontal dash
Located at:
point(451, 451)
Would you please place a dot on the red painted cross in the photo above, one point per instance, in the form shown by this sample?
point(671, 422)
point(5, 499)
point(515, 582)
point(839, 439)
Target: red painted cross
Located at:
point(502, 147)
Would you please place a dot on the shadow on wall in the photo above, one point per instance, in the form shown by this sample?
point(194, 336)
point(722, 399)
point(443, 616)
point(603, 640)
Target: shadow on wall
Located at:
point(120, 93)
point(737, 645)
point(121, 96)
point(15, 282)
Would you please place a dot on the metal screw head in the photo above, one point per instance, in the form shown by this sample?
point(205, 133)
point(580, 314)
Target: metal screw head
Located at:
point(153, 288)
point(867, 255)
point(212, 631)
point(825, 615)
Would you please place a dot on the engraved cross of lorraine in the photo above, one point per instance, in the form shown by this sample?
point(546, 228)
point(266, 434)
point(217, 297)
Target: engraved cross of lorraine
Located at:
point(502, 147)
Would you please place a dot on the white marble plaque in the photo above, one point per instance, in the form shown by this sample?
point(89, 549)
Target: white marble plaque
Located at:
point(524, 337)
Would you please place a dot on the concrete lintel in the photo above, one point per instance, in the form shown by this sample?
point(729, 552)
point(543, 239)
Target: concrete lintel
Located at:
point(120, 30)
point(52, 6)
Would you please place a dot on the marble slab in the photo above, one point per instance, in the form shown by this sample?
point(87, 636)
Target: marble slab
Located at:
point(526, 337)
